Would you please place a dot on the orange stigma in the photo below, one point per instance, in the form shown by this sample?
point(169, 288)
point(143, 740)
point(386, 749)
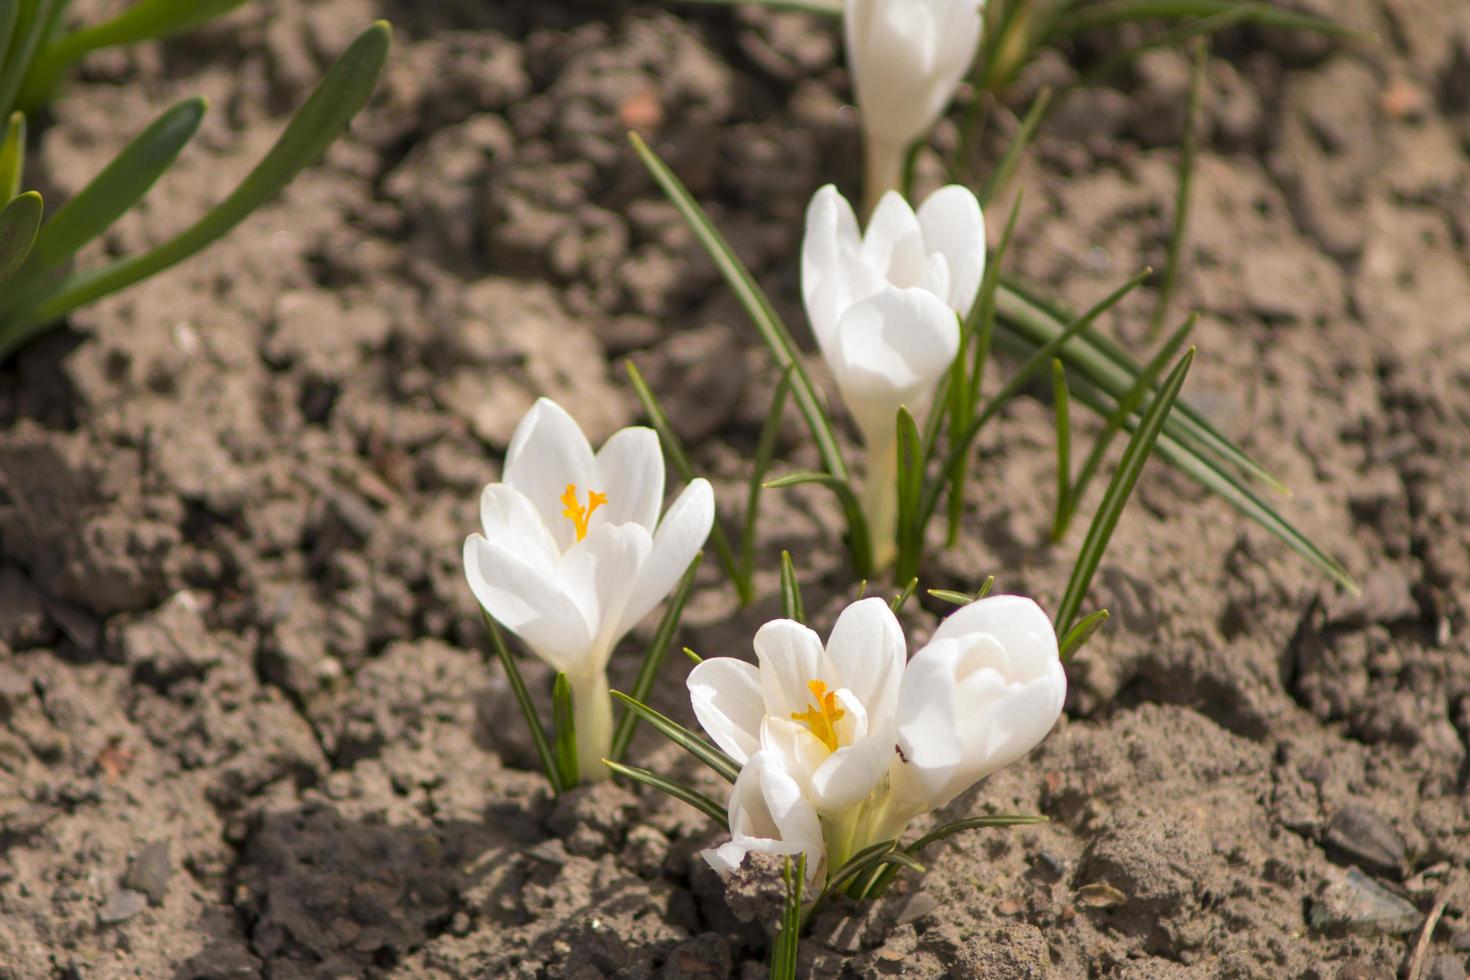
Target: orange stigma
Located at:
point(576, 513)
point(822, 717)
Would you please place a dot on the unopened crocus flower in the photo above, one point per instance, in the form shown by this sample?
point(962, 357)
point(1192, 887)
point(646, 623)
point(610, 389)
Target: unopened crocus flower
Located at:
point(574, 554)
point(885, 305)
point(869, 742)
point(906, 58)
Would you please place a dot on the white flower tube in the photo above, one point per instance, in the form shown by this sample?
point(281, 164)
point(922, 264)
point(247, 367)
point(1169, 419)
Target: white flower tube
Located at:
point(573, 553)
point(906, 58)
point(885, 307)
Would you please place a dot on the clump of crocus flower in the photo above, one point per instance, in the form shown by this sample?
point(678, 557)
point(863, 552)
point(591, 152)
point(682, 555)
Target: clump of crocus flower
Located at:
point(841, 746)
point(574, 553)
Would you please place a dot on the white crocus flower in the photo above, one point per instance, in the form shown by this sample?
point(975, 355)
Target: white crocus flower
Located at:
point(885, 306)
point(869, 742)
point(573, 553)
point(768, 812)
point(906, 58)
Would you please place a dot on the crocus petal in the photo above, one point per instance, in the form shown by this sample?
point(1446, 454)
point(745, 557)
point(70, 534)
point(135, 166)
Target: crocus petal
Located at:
point(791, 657)
point(868, 650)
point(847, 776)
point(629, 471)
point(680, 534)
point(769, 813)
point(509, 519)
point(892, 349)
point(599, 573)
point(954, 227)
point(828, 246)
point(893, 242)
point(547, 452)
point(1017, 623)
point(726, 696)
point(527, 602)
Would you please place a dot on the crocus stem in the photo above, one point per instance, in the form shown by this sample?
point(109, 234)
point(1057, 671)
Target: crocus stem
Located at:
point(592, 712)
point(880, 500)
point(882, 170)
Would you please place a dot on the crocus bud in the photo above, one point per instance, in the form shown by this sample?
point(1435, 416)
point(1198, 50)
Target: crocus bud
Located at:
point(906, 57)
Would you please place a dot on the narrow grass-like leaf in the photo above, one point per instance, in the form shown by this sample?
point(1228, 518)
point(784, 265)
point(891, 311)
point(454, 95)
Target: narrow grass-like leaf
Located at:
point(791, 604)
point(1100, 532)
point(1004, 170)
point(1183, 196)
point(35, 24)
point(724, 766)
point(528, 710)
point(1078, 635)
point(13, 156)
point(120, 185)
point(878, 885)
point(910, 477)
point(1170, 37)
point(985, 588)
point(678, 791)
point(765, 449)
point(694, 658)
point(1061, 404)
point(343, 90)
point(952, 597)
point(829, 8)
point(142, 21)
point(857, 865)
point(564, 730)
point(19, 221)
point(901, 599)
point(10, 13)
point(784, 949)
point(679, 459)
point(1089, 17)
point(1114, 423)
point(653, 658)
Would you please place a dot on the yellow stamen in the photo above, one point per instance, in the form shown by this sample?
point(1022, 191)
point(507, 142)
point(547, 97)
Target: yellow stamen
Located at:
point(576, 513)
point(822, 717)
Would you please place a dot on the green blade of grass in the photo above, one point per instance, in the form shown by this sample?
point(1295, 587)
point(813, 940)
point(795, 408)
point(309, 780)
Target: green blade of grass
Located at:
point(35, 23)
point(679, 459)
point(952, 597)
point(19, 222)
point(1079, 634)
point(1112, 12)
point(901, 599)
point(10, 14)
point(653, 659)
point(1061, 403)
point(1182, 197)
point(765, 450)
point(791, 604)
point(13, 156)
point(910, 479)
point(1004, 170)
point(784, 949)
point(985, 588)
point(1120, 488)
point(679, 792)
point(828, 8)
point(120, 185)
point(564, 730)
point(879, 884)
point(528, 710)
point(343, 90)
point(724, 766)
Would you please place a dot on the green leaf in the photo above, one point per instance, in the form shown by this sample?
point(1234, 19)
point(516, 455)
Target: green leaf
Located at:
point(879, 884)
point(901, 599)
point(679, 792)
point(694, 658)
point(1115, 499)
point(653, 658)
point(528, 710)
point(854, 867)
point(910, 477)
point(776, 336)
point(1004, 170)
point(785, 948)
point(18, 223)
point(1110, 12)
point(13, 156)
point(829, 8)
point(765, 450)
point(141, 22)
point(1078, 635)
point(120, 185)
point(1061, 402)
point(34, 24)
point(1182, 196)
point(952, 597)
point(341, 93)
point(985, 587)
point(722, 764)
point(564, 725)
point(791, 604)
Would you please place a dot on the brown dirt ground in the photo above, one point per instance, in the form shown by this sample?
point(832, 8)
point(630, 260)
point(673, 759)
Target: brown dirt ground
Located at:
point(245, 724)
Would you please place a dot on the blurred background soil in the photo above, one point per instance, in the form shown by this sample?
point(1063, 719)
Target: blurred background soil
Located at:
point(246, 727)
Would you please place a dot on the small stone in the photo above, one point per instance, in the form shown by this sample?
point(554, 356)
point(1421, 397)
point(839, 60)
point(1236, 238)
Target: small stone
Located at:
point(1357, 903)
point(122, 906)
point(916, 908)
point(149, 870)
point(1445, 967)
point(1100, 895)
point(1366, 838)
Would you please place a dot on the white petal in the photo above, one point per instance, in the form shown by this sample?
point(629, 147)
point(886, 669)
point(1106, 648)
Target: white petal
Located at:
point(848, 775)
point(890, 54)
point(726, 696)
point(868, 650)
point(528, 603)
point(509, 519)
point(629, 469)
point(954, 227)
point(599, 574)
point(680, 534)
point(547, 453)
point(829, 243)
point(893, 242)
point(768, 813)
point(892, 349)
point(1018, 624)
point(791, 657)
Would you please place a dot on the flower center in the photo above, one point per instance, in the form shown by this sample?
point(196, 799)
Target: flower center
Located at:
point(821, 718)
point(576, 513)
